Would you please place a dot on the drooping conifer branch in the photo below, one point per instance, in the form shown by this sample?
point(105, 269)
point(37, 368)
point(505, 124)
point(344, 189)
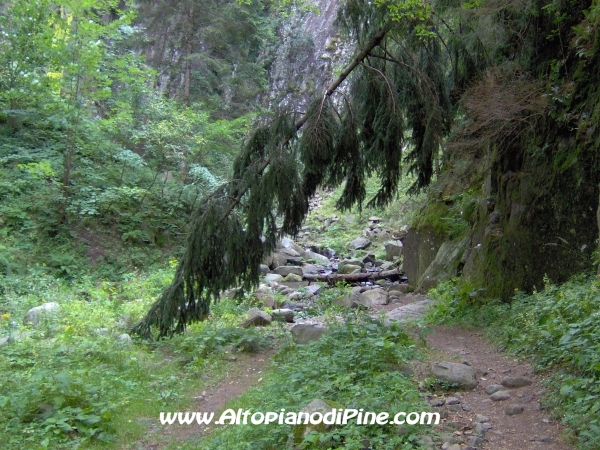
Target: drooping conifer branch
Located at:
point(235, 227)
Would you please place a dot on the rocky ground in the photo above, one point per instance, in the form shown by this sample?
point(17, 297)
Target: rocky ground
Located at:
point(489, 401)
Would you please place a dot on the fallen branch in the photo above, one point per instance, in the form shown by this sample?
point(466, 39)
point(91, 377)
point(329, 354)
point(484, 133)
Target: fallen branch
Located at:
point(333, 278)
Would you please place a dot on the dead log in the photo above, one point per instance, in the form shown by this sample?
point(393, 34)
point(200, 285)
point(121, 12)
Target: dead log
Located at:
point(333, 278)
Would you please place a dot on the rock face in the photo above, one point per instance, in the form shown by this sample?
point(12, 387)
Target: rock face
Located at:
point(35, 316)
point(459, 374)
point(304, 333)
point(393, 250)
point(420, 248)
point(445, 264)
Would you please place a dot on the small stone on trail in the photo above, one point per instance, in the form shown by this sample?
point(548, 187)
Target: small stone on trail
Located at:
point(513, 410)
point(493, 388)
point(515, 382)
point(500, 395)
point(452, 401)
point(463, 376)
point(437, 402)
point(481, 418)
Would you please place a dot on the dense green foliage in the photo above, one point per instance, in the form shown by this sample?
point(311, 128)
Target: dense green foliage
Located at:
point(73, 382)
point(96, 165)
point(559, 326)
point(356, 366)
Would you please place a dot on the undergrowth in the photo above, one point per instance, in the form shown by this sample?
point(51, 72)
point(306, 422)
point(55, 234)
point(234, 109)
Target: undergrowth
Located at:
point(559, 326)
point(78, 381)
point(355, 366)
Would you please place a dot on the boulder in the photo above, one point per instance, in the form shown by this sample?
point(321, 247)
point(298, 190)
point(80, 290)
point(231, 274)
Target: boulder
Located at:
point(349, 268)
point(320, 259)
point(292, 277)
point(256, 317)
point(360, 243)
point(264, 269)
point(35, 316)
point(286, 315)
point(326, 409)
point(454, 373)
point(374, 297)
point(125, 339)
point(287, 243)
point(393, 250)
point(305, 332)
point(273, 278)
point(265, 295)
point(277, 260)
point(354, 262)
point(284, 271)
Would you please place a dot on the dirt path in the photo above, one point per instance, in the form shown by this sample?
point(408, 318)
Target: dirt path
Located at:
point(474, 413)
point(247, 371)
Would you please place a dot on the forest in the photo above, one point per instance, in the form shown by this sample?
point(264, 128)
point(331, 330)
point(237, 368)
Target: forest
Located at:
point(327, 193)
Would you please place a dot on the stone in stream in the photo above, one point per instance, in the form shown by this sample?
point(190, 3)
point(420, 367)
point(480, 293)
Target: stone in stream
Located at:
point(393, 250)
point(493, 388)
point(320, 259)
point(354, 262)
point(515, 382)
point(374, 297)
point(284, 271)
point(512, 410)
point(360, 243)
point(500, 395)
point(454, 373)
point(293, 278)
point(349, 268)
point(273, 278)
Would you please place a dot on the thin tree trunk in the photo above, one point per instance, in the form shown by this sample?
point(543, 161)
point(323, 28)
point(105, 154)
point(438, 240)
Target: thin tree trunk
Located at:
point(188, 59)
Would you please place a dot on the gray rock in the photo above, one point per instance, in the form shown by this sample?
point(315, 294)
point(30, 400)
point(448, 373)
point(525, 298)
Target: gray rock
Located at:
point(384, 265)
point(515, 382)
point(459, 374)
point(4, 341)
point(452, 401)
point(360, 243)
point(36, 315)
point(399, 289)
point(481, 418)
point(493, 388)
point(283, 314)
point(350, 219)
point(290, 252)
point(437, 401)
point(374, 297)
point(513, 410)
point(455, 447)
point(500, 395)
point(287, 243)
point(273, 278)
point(313, 288)
point(304, 332)
point(426, 440)
point(349, 268)
point(475, 442)
point(125, 339)
point(256, 317)
point(455, 408)
point(320, 259)
point(354, 262)
point(393, 250)
point(277, 260)
point(284, 271)
point(264, 269)
point(344, 301)
point(265, 295)
point(293, 277)
point(481, 428)
point(374, 219)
